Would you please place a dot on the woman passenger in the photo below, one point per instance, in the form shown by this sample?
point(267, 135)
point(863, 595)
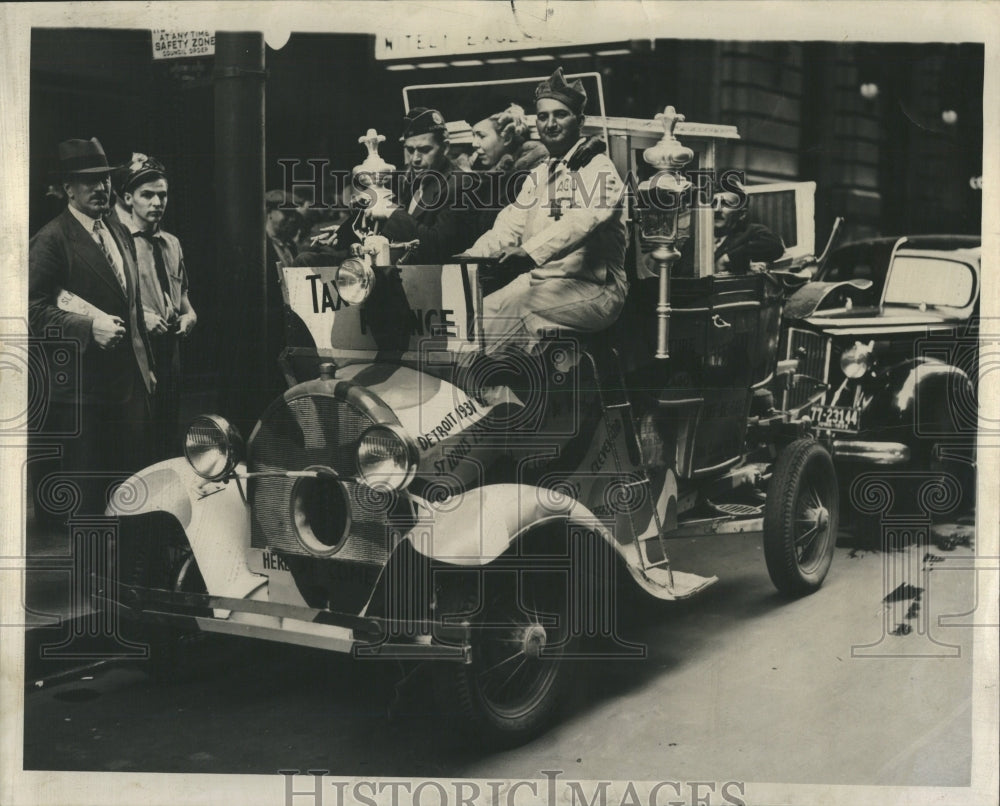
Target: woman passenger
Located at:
point(504, 153)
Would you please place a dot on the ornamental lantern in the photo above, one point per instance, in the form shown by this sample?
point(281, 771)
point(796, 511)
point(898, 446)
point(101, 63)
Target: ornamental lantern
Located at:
point(662, 199)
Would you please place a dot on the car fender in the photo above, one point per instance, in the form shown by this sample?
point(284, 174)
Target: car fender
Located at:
point(810, 297)
point(925, 391)
point(214, 515)
point(485, 522)
point(475, 527)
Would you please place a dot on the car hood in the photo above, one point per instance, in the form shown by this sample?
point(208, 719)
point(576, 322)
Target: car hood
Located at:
point(873, 321)
point(429, 408)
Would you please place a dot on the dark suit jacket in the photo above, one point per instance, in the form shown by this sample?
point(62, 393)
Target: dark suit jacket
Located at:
point(63, 255)
point(754, 243)
point(446, 220)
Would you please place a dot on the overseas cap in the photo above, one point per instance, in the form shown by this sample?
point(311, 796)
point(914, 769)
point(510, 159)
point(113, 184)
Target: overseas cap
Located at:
point(555, 86)
point(421, 120)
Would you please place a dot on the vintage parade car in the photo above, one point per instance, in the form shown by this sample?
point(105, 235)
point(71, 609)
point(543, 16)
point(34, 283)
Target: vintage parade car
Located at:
point(409, 497)
point(885, 339)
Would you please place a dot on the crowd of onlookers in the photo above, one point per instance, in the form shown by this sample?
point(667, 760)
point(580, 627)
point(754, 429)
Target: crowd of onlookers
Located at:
point(106, 276)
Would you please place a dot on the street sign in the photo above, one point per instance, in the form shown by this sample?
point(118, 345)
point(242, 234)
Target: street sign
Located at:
point(182, 44)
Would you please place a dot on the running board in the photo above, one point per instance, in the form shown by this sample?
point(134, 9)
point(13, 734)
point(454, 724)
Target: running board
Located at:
point(705, 527)
point(669, 585)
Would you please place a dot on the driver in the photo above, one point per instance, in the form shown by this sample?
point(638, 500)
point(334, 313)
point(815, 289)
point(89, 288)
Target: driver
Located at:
point(739, 243)
point(434, 203)
point(564, 233)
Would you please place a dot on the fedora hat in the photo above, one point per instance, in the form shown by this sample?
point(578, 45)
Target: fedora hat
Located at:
point(82, 157)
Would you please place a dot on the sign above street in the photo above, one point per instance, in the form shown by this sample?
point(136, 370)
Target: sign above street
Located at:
point(182, 44)
point(495, 27)
point(424, 45)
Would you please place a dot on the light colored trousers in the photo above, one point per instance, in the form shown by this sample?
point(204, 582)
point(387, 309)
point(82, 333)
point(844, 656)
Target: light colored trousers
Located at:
point(523, 310)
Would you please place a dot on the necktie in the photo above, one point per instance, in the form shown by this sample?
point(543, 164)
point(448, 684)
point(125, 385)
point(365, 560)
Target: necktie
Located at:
point(554, 164)
point(99, 232)
point(161, 267)
point(555, 204)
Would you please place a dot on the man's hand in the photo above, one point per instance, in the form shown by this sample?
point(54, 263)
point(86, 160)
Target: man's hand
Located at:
point(185, 324)
point(327, 236)
point(108, 331)
point(155, 325)
point(515, 259)
point(383, 206)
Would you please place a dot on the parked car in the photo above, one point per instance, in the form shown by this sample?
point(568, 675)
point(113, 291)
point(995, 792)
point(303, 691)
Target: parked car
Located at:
point(427, 503)
point(885, 339)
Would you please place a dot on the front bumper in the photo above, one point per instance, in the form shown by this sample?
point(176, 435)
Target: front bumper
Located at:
point(871, 452)
point(362, 636)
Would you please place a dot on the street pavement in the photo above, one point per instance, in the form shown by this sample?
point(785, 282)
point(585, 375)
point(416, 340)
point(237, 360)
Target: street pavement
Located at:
point(840, 687)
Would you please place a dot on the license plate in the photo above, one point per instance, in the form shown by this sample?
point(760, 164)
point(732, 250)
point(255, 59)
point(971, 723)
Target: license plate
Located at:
point(266, 562)
point(836, 418)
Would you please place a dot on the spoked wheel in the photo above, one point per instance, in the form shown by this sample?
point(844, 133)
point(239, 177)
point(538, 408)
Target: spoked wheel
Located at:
point(801, 517)
point(512, 688)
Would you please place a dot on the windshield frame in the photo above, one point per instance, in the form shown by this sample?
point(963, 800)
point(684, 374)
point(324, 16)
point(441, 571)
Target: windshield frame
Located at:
point(930, 256)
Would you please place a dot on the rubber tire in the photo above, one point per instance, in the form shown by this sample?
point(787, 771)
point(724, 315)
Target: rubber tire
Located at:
point(460, 685)
point(803, 462)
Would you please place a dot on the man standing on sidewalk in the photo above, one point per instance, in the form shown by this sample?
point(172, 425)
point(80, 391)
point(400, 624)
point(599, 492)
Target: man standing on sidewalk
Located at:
point(83, 287)
point(163, 282)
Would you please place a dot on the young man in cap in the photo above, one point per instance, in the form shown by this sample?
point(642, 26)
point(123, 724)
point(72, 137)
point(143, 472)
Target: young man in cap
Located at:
point(436, 204)
point(564, 233)
point(83, 286)
point(163, 284)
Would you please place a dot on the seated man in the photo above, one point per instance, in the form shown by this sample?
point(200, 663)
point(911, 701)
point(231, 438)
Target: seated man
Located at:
point(565, 233)
point(435, 205)
point(738, 242)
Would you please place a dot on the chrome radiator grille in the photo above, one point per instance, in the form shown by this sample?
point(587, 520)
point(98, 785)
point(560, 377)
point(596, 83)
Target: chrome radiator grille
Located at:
point(813, 353)
point(300, 433)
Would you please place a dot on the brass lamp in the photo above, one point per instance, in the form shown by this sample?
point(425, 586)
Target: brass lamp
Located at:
point(373, 172)
point(662, 199)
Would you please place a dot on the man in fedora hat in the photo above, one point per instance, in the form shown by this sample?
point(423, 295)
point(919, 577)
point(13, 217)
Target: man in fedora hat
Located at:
point(564, 234)
point(83, 286)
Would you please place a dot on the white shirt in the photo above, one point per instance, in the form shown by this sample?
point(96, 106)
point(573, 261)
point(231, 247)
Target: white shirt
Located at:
point(584, 239)
point(88, 224)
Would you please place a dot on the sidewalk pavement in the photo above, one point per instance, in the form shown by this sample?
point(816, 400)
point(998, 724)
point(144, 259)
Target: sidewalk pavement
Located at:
point(62, 632)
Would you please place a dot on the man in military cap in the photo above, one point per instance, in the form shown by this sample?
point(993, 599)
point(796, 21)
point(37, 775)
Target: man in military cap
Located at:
point(83, 286)
point(436, 204)
point(163, 282)
point(564, 234)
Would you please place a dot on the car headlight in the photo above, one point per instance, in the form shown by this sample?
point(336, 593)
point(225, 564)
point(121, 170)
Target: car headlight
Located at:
point(212, 446)
point(387, 457)
point(355, 280)
point(856, 361)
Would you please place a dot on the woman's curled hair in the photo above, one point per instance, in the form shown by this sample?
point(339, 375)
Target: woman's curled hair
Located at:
point(514, 122)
